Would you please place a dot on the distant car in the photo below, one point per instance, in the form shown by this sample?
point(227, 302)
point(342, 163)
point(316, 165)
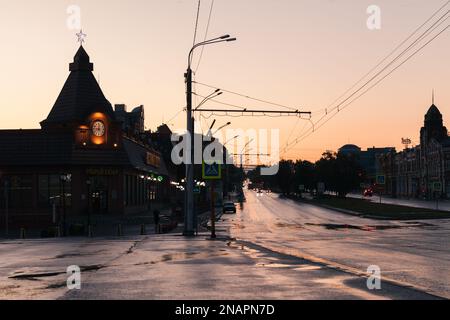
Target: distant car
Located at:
point(368, 193)
point(229, 207)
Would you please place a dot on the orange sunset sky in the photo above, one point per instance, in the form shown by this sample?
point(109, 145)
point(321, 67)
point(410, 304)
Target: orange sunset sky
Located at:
point(299, 53)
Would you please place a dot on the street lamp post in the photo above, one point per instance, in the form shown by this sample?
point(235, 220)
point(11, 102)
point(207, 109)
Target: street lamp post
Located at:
point(189, 216)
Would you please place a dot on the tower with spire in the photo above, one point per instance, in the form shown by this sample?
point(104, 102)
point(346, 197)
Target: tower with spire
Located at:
point(433, 125)
point(82, 107)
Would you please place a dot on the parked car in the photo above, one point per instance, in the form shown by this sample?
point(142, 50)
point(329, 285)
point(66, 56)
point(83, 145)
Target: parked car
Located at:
point(229, 207)
point(368, 192)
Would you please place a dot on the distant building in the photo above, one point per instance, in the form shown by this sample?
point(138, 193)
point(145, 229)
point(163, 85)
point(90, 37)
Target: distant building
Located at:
point(366, 159)
point(132, 122)
point(422, 171)
point(435, 145)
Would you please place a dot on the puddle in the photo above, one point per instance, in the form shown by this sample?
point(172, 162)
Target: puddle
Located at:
point(274, 265)
point(56, 285)
point(74, 255)
point(185, 256)
point(287, 225)
point(308, 268)
point(36, 276)
point(331, 226)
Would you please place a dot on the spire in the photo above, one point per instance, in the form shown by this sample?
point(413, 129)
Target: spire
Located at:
point(432, 97)
point(81, 61)
point(81, 94)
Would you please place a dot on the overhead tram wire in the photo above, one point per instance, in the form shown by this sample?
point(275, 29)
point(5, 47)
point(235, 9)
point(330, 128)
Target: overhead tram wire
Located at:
point(420, 38)
point(206, 35)
point(196, 23)
point(248, 97)
point(390, 54)
point(380, 80)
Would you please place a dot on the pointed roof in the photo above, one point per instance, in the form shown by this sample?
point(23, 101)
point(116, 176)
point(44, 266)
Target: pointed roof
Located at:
point(433, 110)
point(81, 94)
point(433, 115)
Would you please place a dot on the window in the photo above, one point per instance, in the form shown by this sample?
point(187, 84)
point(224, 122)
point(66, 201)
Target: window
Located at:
point(50, 190)
point(21, 191)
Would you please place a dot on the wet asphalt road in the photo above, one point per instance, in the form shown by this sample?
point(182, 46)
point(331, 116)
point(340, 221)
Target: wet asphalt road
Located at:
point(415, 253)
point(282, 251)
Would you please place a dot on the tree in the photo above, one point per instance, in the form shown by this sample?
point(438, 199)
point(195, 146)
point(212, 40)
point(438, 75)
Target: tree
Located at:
point(341, 174)
point(285, 176)
point(304, 175)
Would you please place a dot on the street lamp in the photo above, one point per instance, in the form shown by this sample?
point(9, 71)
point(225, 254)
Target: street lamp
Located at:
point(215, 94)
point(212, 125)
point(189, 195)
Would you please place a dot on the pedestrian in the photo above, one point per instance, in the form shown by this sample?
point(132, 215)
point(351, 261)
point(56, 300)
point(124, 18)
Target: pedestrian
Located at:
point(156, 221)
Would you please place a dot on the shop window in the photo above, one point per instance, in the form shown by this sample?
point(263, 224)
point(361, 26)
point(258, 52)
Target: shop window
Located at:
point(50, 191)
point(21, 191)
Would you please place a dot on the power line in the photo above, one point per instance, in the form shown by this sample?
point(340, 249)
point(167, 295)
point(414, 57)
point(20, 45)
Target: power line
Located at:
point(176, 115)
point(415, 42)
point(206, 34)
point(390, 54)
point(220, 102)
point(299, 139)
point(246, 96)
point(196, 23)
point(434, 26)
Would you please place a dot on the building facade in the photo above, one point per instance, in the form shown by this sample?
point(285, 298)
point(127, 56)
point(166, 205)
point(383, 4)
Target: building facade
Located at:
point(422, 171)
point(80, 162)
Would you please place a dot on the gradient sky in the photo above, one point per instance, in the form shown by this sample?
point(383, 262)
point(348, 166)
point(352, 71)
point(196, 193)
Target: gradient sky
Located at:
point(301, 53)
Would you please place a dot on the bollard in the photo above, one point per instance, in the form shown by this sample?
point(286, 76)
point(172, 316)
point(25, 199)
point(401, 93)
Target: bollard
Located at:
point(58, 232)
point(90, 234)
point(143, 231)
point(119, 230)
point(22, 233)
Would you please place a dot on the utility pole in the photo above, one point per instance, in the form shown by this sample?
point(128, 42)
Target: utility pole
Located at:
point(213, 211)
point(189, 215)
point(189, 193)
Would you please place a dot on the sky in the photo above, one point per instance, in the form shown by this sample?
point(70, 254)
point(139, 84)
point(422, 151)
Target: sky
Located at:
point(299, 53)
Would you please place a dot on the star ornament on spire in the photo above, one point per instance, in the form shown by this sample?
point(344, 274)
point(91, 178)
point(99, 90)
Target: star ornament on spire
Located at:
point(81, 37)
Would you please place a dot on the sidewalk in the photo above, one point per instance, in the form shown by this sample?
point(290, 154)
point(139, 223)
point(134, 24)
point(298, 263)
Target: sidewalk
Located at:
point(102, 226)
point(443, 205)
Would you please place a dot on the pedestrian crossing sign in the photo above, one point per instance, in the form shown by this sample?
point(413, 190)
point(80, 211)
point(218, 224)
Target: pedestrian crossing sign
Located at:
point(212, 171)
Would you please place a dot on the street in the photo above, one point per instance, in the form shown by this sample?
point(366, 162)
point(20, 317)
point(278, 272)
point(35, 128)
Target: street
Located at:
point(411, 252)
point(282, 250)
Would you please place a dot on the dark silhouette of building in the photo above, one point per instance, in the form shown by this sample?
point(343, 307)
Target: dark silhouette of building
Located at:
point(366, 159)
point(424, 170)
point(81, 159)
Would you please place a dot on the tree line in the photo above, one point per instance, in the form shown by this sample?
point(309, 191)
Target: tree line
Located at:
point(338, 173)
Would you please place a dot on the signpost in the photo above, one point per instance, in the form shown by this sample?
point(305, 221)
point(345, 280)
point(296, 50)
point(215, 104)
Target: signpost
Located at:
point(381, 179)
point(212, 172)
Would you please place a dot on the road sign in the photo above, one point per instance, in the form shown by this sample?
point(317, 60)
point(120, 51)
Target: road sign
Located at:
point(437, 187)
point(381, 179)
point(212, 171)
